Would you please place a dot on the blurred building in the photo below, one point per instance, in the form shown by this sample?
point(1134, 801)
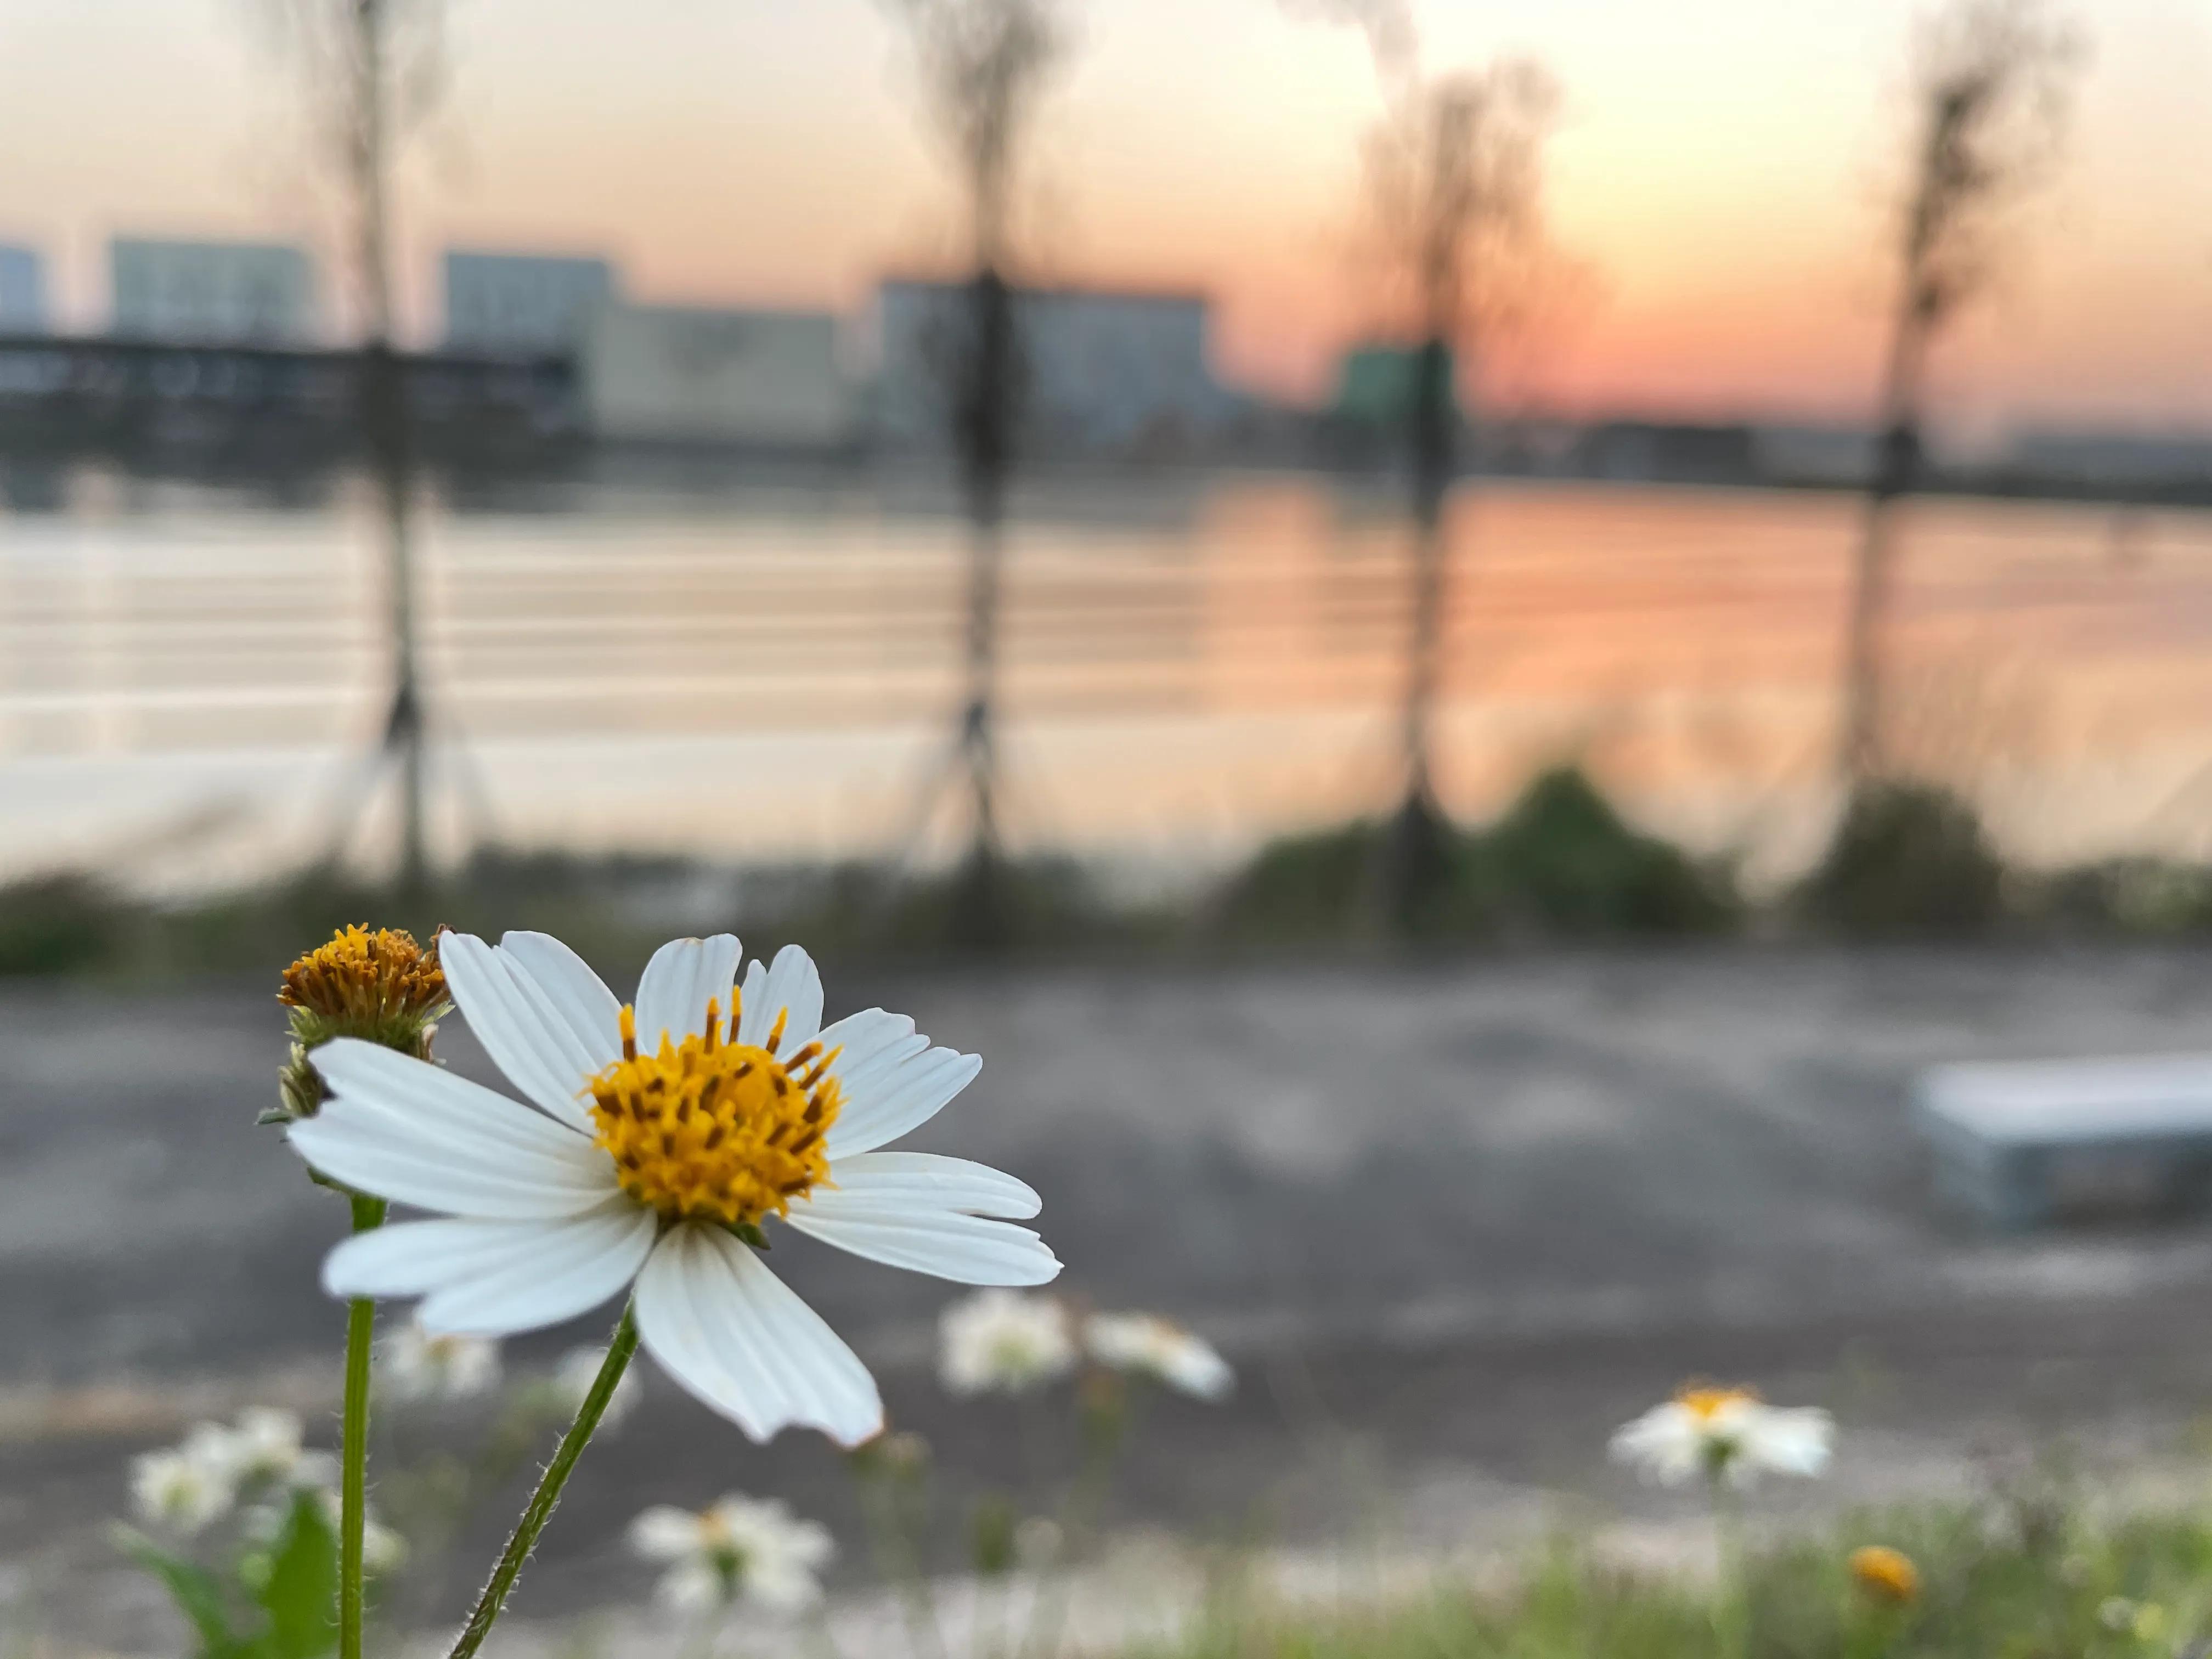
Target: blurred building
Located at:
point(1841, 455)
point(22, 291)
point(1099, 371)
point(684, 374)
point(523, 302)
point(1375, 388)
point(225, 293)
point(2113, 459)
point(1673, 451)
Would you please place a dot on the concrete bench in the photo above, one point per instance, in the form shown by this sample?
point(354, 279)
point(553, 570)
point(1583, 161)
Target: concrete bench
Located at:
point(2017, 1142)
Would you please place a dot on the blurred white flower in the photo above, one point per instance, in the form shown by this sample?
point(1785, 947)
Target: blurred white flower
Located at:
point(382, 1550)
point(1146, 1345)
point(740, 1549)
point(265, 1448)
point(178, 1489)
point(574, 1377)
point(416, 1365)
point(1002, 1340)
point(188, 1485)
point(1728, 1434)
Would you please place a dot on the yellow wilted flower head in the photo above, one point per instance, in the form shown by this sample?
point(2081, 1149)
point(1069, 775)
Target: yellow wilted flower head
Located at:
point(376, 984)
point(1886, 1574)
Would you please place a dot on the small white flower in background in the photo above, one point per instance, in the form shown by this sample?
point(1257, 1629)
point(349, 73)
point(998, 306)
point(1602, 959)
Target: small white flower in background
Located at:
point(741, 1549)
point(196, 1482)
point(264, 1447)
point(660, 1139)
point(382, 1550)
point(178, 1491)
point(1728, 1434)
point(414, 1365)
point(574, 1377)
point(1000, 1340)
point(1145, 1345)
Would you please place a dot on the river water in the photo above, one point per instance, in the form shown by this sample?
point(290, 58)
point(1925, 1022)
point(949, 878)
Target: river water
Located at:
point(188, 680)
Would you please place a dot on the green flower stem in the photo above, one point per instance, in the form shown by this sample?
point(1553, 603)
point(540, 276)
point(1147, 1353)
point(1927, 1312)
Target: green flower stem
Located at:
point(353, 1494)
point(1732, 1590)
point(540, 1507)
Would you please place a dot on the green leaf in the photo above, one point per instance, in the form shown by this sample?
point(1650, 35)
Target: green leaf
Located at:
point(196, 1592)
point(301, 1594)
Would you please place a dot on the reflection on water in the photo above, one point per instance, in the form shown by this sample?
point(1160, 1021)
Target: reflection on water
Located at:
point(184, 681)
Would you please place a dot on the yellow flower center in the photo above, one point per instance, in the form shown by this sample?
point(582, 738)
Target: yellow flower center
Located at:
point(709, 1129)
point(1706, 1403)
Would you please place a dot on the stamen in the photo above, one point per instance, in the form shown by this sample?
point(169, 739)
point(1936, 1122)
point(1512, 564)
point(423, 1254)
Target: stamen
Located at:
point(775, 1031)
point(713, 1128)
point(628, 1032)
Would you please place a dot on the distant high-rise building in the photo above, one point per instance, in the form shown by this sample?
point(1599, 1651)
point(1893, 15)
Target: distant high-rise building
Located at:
point(1098, 369)
point(522, 302)
point(22, 291)
point(226, 293)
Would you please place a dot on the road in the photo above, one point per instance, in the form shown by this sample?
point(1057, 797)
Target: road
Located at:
point(1453, 1223)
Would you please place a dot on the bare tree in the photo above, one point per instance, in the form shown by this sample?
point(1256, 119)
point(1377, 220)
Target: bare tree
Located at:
point(1456, 171)
point(985, 66)
point(1990, 95)
point(371, 70)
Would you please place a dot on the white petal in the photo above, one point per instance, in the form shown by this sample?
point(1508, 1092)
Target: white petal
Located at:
point(859, 1038)
point(408, 1130)
point(912, 1181)
point(793, 983)
point(543, 1016)
point(897, 1091)
point(664, 1533)
point(684, 975)
point(944, 1244)
point(734, 1334)
point(592, 1011)
point(494, 1278)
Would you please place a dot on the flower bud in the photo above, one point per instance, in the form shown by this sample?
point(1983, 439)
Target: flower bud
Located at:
point(377, 985)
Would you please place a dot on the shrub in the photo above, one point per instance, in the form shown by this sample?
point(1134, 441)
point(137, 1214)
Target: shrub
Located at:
point(1560, 863)
point(64, 924)
point(1908, 860)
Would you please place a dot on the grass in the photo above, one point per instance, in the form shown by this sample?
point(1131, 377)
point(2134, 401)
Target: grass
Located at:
point(2029, 1577)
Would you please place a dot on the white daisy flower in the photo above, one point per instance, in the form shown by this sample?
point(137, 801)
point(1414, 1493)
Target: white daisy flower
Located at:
point(663, 1135)
point(741, 1549)
point(573, 1377)
point(1146, 1345)
point(178, 1491)
point(1728, 1434)
point(995, 1340)
point(414, 1363)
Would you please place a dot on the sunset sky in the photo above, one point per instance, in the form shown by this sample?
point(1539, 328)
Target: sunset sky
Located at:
point(1720, 169)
